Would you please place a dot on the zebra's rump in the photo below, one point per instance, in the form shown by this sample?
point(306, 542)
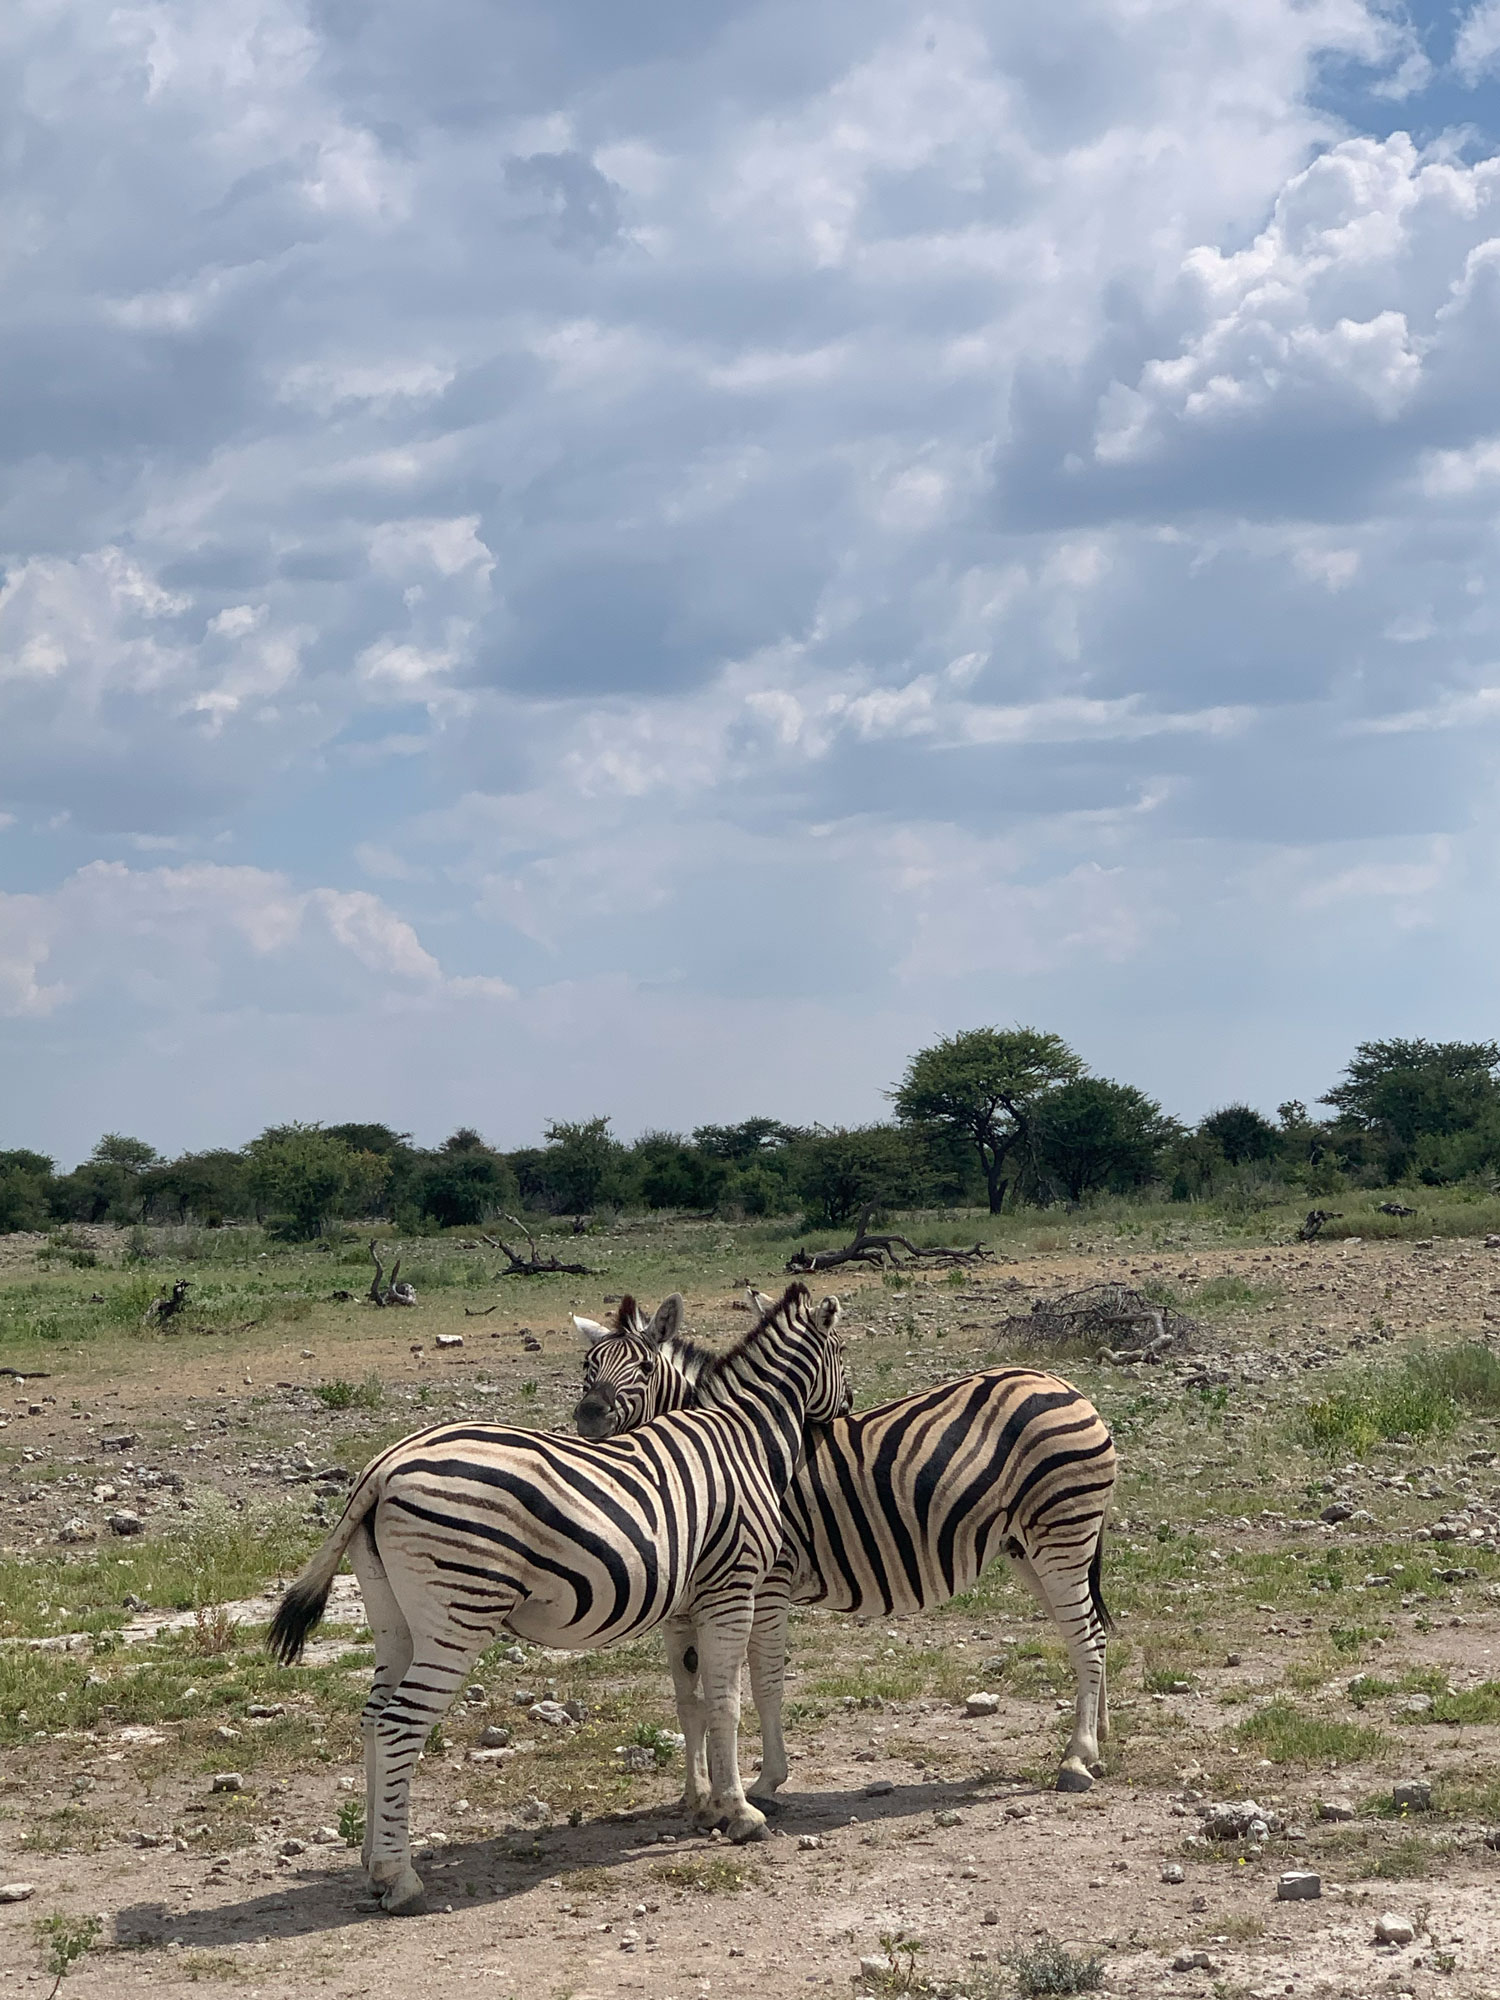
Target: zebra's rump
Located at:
point(601, 1541)
point(901, 1507)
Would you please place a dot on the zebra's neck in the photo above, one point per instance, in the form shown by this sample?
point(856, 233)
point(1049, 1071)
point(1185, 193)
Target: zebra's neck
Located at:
point(770, 1371)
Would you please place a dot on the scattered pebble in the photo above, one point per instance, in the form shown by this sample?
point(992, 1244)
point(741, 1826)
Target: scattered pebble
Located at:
point(1192, 1961)
point(809, 1841)
point(227, 1781)
point(124, 1523)
point(1174, 1872)
point(1392, 1929)
point(1339, 1808)
point(981, 1704)
point(17, 1892)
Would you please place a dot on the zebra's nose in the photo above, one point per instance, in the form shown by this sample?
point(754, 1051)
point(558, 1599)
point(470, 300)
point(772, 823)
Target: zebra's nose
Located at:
point(595, 1415)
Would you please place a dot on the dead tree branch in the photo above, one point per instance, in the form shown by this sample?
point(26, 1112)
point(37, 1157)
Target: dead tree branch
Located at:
point(535, 1265)
point(394, 1294)
point(165, 1308)
point(872, 1250)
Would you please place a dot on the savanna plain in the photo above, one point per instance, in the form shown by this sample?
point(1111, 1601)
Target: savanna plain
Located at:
point(1303, 1563)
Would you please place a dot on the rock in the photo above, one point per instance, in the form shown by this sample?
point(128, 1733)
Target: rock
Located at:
point(290, 1847)
point(879, 1788)
point(876, 1970)
point(449, 1340)
point(947, 1817)
point(990, 1917)
point(1417, 1704)
point(1340, 1510)
point(575, 1709)
point(514, 1656)
point(124, 1523)
point(981, 1704)
point(227, 1781)
point(474, 1692)
point(637, 1757)
point(1335, 1808)
point(1414, 1796)
point(327, 1836)
point(1192, 1961)
point(551, 1712)
point(262, 1711)
point(524, 1697)
point(120, 1441)
point(807, 1842)
point(1234, 1660)
point(1492, 1242)
point(496, 1737)
point(227, 1735)
point(1299, 1885)
point(1239, 1819)
point(535, 1812)
point(1391, 1929)
point(76, 1530)
point(17, 1892)
point(1174, 1872)
point(134, 1603)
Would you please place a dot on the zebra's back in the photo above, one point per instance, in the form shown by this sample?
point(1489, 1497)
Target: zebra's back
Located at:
point(901, 1507)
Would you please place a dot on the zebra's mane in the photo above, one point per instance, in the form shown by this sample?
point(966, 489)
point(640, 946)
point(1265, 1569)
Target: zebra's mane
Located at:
point(695, 1360)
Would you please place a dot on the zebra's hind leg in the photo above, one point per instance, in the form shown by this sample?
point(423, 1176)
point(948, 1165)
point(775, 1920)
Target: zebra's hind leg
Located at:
point(1063, 1586)
point(392, 1636)
point(767, 1655)
point(723, 1634)
point(682, 1658)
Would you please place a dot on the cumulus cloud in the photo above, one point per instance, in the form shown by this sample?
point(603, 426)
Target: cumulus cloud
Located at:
point(964, 486)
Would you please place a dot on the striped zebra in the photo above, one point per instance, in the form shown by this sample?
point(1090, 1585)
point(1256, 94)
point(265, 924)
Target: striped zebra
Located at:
point(465, 1531)
point(900, 1508)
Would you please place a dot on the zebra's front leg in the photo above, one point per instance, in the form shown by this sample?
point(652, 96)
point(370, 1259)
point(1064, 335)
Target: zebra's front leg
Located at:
point(723, 1635)
point(767, 1654)
point(682, 1658)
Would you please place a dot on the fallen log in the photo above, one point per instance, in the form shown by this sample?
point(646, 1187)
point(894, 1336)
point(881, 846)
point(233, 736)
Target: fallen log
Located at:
point(871, 1250)
point(535, 1265)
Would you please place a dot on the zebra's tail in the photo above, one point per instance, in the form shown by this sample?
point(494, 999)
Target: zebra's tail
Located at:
point(305, 1600)
point(1096, 1592)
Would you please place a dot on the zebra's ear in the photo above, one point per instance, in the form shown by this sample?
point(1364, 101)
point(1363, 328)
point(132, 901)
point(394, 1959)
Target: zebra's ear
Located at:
point(827, 1313)
point(628, 1317)
point(759, 1300)
point(666, 1321)
point(590, 1332)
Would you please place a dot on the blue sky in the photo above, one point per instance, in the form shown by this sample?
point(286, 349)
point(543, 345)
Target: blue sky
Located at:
point(576, 559)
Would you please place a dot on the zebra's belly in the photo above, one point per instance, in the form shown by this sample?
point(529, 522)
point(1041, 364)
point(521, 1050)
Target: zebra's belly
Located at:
point(892, 1591)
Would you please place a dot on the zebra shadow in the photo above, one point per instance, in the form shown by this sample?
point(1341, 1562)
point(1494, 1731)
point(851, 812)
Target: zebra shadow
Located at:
point(463, 1875)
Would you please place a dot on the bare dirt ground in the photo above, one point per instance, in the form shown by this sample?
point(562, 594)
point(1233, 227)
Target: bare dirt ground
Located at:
point(1264, 1652)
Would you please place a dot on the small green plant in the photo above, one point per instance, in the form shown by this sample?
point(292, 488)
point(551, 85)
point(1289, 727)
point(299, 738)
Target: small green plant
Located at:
point(341, 1395)
point(1289, 1736)
point(901, 1951)
point(528, 1392)
point(660, 1742)
point(351, 1821)
point(64, 1940)
point(957, 1278)
point(1049, 1967)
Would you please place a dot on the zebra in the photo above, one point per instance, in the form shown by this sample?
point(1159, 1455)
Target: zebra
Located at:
point(900, 1508)
point(465, 1531)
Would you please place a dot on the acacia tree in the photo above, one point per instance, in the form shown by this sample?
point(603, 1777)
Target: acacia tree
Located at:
point(986, 1083)
point(1414, 1089)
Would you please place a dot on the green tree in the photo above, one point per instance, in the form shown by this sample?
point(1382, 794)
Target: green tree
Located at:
point(25, 1185)
point(840, 1171)
point(464, 1186)
point(987, 1083)
point(298, 1174)
point(1408, 1090)
point(753, 1139)
point(1241, 1134)
point(582, 1164)
point(109, 1186)
point(1094, 1134)
point(672, 1174)
point(132, 1155)
point(209, 1186)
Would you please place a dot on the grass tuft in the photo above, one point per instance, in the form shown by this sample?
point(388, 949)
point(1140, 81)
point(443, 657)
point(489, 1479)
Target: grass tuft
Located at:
point(1049, 1967)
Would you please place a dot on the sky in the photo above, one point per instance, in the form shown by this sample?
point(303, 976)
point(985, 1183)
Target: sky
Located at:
point(571, 559)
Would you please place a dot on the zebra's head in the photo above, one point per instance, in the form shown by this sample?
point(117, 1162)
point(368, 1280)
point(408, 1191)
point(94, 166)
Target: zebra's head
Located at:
point(627, 1379)
point(830, 1395)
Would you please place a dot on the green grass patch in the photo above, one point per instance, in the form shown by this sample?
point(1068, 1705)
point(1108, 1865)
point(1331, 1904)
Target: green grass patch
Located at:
point(1288, 1735)
point(1049, 1967)
point(716, 1876)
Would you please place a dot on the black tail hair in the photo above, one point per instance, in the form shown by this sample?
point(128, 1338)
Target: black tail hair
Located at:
point(296, 1615)
point(1096, 1594)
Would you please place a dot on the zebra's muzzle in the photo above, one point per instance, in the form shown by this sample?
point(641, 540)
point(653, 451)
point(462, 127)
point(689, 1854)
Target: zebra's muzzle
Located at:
point(597, 1415)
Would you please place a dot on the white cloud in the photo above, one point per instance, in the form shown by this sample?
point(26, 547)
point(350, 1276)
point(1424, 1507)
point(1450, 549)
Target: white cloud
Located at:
point(1476, 47)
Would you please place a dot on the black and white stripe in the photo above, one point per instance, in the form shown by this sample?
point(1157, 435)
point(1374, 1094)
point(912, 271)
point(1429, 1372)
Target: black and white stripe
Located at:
point(900, 1508)
point(466, 1531)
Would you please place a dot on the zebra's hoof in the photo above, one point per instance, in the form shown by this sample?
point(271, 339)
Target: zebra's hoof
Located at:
point(1073, 1778)
point(767, 1802)
point(403, 1897)
point(1097, 1767)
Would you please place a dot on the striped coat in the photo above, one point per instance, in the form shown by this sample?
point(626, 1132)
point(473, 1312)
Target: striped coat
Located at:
point(901, 1508)
point(467, 1531)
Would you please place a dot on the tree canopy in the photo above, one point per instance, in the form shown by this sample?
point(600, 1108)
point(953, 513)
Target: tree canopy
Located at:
point(986, 1083)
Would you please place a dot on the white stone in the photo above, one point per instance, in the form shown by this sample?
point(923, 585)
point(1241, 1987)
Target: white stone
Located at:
point(1393, 1929)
